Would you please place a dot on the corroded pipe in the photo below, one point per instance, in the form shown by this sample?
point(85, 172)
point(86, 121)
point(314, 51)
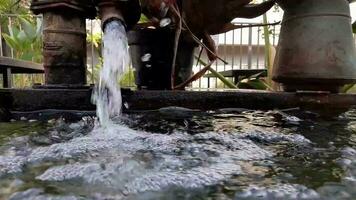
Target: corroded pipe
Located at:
point(316, 49)
point(126, 11)
point(109, 11)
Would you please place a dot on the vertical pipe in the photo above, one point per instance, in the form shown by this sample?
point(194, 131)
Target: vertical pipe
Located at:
point(200, 80)
point(274, 35)
point(1, 50)
point(7, 78)
point(258, 48)
point(249, 54)
point(241, 33)
point(233, 50)
point(225, 55)
point(1, 54)
point(10, 24)
point(225, 50)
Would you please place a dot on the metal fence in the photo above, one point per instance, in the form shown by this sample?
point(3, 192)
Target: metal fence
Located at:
point(242, 49)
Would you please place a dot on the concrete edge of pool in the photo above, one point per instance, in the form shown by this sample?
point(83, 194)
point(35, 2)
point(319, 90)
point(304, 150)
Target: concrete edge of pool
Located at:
point(79, 100)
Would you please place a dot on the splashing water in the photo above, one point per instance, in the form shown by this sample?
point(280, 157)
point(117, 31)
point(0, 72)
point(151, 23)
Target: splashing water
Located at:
point(107, 95)
point(177, 154)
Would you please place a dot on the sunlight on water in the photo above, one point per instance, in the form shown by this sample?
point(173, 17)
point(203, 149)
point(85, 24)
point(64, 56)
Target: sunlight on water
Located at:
point(107, 95)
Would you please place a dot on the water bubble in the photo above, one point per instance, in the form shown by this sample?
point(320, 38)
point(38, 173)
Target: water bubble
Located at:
point(165, 22)
point(126, 105)
point(146, 57)
point(348, 151)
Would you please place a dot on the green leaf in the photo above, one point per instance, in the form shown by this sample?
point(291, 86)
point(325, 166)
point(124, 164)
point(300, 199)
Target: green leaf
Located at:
point(256, 84)
point(347, 88)
point(354, 27)
point(23, 41)
point(10, 41)
point(27, 56)
point(143, 19)
point(39, 26)
point(258, 75)
point(13, 31)
point(28, 28)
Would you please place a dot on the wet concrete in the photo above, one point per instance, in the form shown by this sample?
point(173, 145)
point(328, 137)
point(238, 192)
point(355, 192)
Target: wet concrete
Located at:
point(80, 100)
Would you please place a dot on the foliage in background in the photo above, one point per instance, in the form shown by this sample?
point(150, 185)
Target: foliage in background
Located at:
point(26, 39)
point(94, 42)
point(14, 6)
point(8, 7)
point(10, 25)
point(256, 82)
point(94, 39)
point(143, 19)
point(128, 79)
point(350, 88)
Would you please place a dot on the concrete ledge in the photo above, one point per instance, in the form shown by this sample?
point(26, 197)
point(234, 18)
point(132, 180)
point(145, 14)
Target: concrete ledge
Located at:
point(41, 99)
point(80, 100)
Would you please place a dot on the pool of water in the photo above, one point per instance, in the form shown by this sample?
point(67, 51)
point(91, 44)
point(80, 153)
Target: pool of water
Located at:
point(177, 153)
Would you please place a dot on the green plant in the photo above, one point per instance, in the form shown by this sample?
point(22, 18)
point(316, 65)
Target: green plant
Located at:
point(350, 88)
point(26, 39)
point(128, 79)
point(14, 6)
point(143, 19)
point(256, 82)
point(95, 39)
point(94, 71)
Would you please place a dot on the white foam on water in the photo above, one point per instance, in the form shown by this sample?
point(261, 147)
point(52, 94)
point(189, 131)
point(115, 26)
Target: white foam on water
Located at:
point(278, 192)
point(347, 188)
point(11, 165)
point(38, 194)
point(119, 159)
point(107, 95)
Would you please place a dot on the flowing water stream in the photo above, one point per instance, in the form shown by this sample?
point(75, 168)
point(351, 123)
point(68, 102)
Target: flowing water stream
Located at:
point(107, 95)
point(177, 153)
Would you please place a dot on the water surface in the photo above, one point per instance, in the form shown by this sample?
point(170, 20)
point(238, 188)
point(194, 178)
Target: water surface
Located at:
point(177, 153)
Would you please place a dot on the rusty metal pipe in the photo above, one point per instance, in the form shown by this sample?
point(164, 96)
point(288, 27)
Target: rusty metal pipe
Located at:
point(109, 11)
point(316, 49)
point(126, 11)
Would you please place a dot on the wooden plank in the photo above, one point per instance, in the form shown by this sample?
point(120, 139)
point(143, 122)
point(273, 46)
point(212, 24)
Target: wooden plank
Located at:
point(19, 66)
point(79, 99)
point(239, 72)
